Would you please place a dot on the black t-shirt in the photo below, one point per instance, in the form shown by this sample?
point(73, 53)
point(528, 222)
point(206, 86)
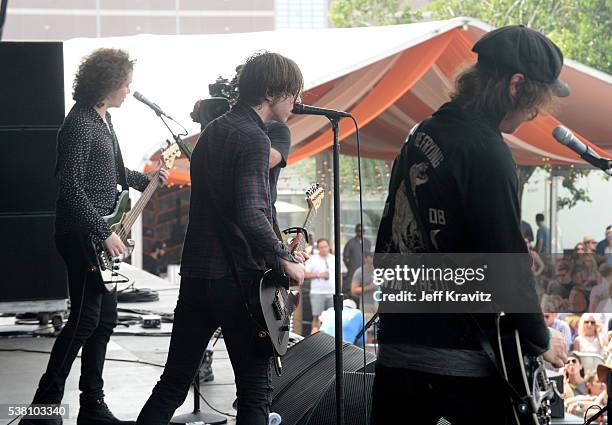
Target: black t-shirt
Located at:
point(280, 139)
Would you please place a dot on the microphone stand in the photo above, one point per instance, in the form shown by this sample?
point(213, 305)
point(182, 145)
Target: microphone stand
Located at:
point(338, 278)
point(177, 138)
point(197, 415)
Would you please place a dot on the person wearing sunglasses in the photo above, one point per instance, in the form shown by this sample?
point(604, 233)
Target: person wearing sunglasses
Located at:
point(573, 372)
point(588, 339)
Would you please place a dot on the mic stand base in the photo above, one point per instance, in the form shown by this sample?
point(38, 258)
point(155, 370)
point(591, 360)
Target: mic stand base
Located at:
point(197, 415)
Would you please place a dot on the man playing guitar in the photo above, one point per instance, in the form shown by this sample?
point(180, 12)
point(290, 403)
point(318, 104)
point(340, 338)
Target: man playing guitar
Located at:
point(453, 189)
point(230, 241)
point(88, 176)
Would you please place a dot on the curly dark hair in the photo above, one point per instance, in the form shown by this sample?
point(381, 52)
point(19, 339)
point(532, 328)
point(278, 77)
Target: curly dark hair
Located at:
point(99, 74)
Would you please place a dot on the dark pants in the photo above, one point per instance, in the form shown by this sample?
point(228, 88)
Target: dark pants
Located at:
point(93, 316)
point(402, 396)
point(203, 305)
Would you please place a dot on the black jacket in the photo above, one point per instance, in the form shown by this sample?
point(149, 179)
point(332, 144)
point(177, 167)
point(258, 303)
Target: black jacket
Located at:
point(466, 190)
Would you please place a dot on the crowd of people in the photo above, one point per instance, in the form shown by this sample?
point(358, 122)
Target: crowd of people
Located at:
point(576, 298)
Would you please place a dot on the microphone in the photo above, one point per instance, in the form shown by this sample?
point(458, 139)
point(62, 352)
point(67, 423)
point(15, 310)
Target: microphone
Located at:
point(150, 104)
point(567, 138)
point(301, 109)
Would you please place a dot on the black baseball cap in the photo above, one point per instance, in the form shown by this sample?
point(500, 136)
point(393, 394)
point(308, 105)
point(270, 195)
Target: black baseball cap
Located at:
point(517, 48)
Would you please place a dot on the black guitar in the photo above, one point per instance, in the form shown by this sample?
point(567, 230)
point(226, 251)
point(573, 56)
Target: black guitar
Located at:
point(121, 221)
point(527, 376)
point(276, 301)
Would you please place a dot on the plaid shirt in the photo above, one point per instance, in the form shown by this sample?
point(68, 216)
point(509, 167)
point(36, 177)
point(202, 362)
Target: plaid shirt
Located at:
point(230, 198)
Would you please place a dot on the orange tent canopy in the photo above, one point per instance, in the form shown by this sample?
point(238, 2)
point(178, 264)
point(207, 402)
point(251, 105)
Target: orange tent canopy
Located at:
point(405, 81)
point(418, 82)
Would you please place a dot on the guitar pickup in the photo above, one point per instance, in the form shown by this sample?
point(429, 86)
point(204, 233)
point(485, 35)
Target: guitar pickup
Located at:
point(278, 306)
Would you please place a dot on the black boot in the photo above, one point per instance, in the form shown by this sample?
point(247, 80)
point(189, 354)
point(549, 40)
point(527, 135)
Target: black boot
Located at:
point(206, 372)
point(97, 413)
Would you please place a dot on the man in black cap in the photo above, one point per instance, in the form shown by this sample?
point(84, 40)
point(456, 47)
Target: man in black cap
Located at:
point(461, 178)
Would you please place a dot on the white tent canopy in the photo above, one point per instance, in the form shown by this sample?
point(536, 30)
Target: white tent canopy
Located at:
point(174, 71)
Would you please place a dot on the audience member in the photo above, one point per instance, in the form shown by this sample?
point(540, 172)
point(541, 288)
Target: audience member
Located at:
point(577, 301)
point(590, 243)
point(352, 322)
point(151, 262)
point(351, 255)
point(367, 288)
point(605, 244)
point(596, 395)
point(560, 325)
point(589, 339)
point(599, 299)
point(526, 231)
point(562, 283)
point(320, 269)
point(551, 305)
point(573, 372)
point(542, 236)
point(537, 265)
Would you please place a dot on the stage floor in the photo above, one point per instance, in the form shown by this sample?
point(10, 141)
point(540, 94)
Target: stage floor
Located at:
point(127, 385)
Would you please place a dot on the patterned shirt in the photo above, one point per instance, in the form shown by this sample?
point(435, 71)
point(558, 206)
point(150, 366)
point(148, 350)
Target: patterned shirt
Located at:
point(230, 196)
point(87, 173)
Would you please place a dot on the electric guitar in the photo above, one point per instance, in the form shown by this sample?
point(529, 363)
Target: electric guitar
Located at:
point(276, 301)
point(121, 221)
point(527, 376)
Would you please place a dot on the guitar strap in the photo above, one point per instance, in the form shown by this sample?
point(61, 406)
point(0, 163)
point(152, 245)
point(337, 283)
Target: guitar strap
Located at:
point(471, 319)
point(119, 166)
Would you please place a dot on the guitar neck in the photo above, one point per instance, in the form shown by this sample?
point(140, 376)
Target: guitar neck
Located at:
point(130, 218)
point(307, 224)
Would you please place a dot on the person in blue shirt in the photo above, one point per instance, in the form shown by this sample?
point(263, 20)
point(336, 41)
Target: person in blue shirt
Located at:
point(543, 236)
point(352, 322)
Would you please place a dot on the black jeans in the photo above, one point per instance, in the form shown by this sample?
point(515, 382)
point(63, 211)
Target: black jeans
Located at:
point(93, 316)
point(204, 305)
point(402, 396)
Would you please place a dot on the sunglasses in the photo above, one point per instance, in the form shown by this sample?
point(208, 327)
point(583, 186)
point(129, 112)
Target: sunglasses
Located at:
point(592, 322)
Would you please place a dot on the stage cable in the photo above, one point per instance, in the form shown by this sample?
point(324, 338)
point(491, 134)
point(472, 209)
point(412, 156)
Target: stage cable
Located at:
point(142, 362)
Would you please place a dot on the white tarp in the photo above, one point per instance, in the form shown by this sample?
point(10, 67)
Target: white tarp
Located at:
point(175, 70)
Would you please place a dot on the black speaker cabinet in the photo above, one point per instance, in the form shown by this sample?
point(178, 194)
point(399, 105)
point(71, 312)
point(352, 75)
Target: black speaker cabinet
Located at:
point(31, 112)
point(303, 393)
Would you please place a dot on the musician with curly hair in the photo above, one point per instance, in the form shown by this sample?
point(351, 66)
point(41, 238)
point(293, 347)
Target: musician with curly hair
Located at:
point(89, 167)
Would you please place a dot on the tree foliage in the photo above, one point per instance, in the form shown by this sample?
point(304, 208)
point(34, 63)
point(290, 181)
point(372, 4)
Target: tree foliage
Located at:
point(365, 13)
point(581, 28)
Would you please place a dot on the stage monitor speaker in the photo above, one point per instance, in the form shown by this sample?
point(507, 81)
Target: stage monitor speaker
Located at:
point(355, 411)
point(309, 371)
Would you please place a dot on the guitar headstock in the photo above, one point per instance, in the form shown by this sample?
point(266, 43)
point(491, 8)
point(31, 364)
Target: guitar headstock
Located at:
point(314, 196)
point(170, 154)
